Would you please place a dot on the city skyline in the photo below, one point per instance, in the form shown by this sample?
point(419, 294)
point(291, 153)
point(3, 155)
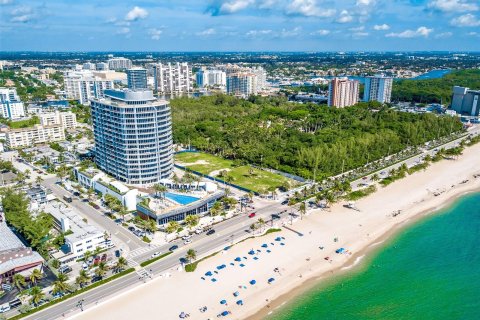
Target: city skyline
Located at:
point(240, 25)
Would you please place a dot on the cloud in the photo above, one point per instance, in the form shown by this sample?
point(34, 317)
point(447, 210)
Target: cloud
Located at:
point(357, 29)
point(155, 33)
point(344, 17)
point(267, 4)
point(136, 13)
point(258, 33)
point(420, 32)
point(359, 34)
point(123, 30)
point(452, 5)
point(290, 33)
point(466, 20)
point(23, 18)
point(443, 35)
point(321, 32)
point(365, 2)
point(5, 1)
point(379, 27)
point(206, 32)
point(233, 6)
point(22, 14)
point(308, 8)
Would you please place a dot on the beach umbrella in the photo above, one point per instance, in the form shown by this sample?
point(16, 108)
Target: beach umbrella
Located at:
point(223, 302)
point(219, 267)
point(238, 259)
point(278, 239)
point(264, 245)
point(252, 282)
point(242, 265)
point(236, 293)
point(214, 280)
point(251, 252)
point(182, 315)
point(271, 280)
point(208, 273)
point(240, 302)
point(224, 313)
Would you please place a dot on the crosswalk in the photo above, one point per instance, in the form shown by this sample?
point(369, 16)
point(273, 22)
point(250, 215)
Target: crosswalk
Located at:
point(140, 251)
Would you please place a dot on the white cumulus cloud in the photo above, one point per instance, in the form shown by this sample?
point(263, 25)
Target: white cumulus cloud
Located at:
point(443, 35)
point(235, 5)
point(321, 32)
point(420, 32)
point(308, 8)
point(453, 5)
point(258, 33)
point(136, 13)
point(123, 30)
point(206, 32)
point(466, 20)
point(345, 17)
point(155, 33)
point(379, 27)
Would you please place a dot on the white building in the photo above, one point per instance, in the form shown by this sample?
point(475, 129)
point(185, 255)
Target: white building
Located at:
point(11, 106)
point(101, 66)
point(99, 181)
point(68, 119)
point(83, 237)
point(342, 93)
point(378, 88)
point(261, 77)
point(84, 85)
point(89, 66)
point(242, 84)
point(172, 78)
point(26, 137)
point(119, 63)
point(211, 78)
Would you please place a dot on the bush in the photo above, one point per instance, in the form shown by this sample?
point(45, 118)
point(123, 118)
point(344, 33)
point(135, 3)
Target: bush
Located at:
point(146, 263)
point(146, 239)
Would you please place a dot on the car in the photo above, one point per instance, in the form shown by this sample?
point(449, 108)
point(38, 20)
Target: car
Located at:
point(118, 221)
point(210, 232)
point(4, 307)
point(118, 253)
point(275, 217)
point(173, 248)
point(96, 279)
point(284, 202)
point(65, 269)
point(187, 241)
point(96, 261)
point(364, 178)
point(85, 200)
point(251, 215)
point(96, 206)
point(104, 257)
point(15, 303)
point(198, 231)
point(186, 237)
point(76, 194)
point(131, 228)
point(85, 266)
point(156, 254)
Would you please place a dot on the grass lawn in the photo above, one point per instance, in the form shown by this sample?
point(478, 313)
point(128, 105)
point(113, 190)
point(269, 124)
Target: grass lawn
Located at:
point(23, 123)
point(207, 163)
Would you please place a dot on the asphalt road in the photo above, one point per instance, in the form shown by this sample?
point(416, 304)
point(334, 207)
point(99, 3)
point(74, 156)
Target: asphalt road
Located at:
point(122, 234)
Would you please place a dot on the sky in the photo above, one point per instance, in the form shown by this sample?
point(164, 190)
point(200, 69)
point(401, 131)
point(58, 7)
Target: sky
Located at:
point(239, 25)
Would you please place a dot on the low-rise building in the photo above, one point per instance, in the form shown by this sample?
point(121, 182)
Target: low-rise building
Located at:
point(67, 119)
point(80, 236)
point(97, 180)
point(25, 137)
point(15, 258)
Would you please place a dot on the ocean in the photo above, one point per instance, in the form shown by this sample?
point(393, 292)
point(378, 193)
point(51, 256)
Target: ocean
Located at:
point(430, 270)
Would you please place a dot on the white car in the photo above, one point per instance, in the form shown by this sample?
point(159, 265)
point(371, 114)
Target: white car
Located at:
point(187, 241)
point(198, 231)
point(186, 237)
point(156, 254)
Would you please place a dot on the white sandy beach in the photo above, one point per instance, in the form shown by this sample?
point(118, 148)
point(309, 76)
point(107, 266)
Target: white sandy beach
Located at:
point(300, 258)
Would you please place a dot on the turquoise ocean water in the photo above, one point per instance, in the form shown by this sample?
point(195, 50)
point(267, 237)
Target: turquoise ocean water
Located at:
point(430, 270)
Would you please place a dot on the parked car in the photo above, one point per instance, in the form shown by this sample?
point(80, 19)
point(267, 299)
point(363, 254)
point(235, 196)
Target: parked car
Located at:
point(275, 217)
point(284, 202)
point(186, 237)
point(251, 215)
point(210, 232)
point(118, 221)
point(15, 303)
point(4, 307)
point(65, 269)
point(173, 248)
point(117, 253)
point(131, 228)
point(198, 231)
point(96, 279)
point(187, 241)
point(96, 206)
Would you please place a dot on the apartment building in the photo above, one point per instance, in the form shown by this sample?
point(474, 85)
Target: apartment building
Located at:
point(378, 88)
point(11, 107)
point(242, 84)
point(211, 78)
point(172, 78)
point(84, 85)
point(25, 137)
point(466, 101)
point(119, 63)
point(67, 119)
point(342, 93)
point(137, 78)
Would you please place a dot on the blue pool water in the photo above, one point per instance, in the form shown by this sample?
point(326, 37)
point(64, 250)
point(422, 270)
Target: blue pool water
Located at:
point(180, 198)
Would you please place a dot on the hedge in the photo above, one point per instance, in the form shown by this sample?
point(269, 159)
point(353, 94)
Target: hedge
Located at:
point(146, 263)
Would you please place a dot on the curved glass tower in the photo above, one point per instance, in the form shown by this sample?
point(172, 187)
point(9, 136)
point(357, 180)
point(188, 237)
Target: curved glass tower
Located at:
point(133, 136)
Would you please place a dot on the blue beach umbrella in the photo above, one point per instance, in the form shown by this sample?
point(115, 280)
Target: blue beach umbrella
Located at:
point(271, 280)
point(278, 239)
point(236, 293)
point(251, 252)
point(208, 273)
point(223, 302)
point(238, 259)
point(240, 302)
point(252, 282)
point(264, 245)
point(224, 313)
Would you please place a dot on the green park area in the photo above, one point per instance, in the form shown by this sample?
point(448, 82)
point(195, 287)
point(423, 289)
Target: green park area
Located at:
point(242, 175)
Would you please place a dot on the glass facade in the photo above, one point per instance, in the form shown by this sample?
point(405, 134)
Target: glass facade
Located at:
point(133, 136)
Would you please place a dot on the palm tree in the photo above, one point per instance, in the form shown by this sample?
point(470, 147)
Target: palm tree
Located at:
point(19, 281)
point(329, 198)
point(35, 276)
point(302, 209)
point(97, 251)
point(36, 294)
point(253, 227)
point(375, 177)
point(172, 226)
point(83, 278)
point(101, 270)
point(191, 255)
point(159, 189)
point(87, 255)
point(60, 285)
point(192, 220)
point(122, 263)
point(38, 180)
point(261, 223)
point(27, 173)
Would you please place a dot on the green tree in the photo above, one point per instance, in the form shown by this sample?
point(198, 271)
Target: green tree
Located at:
point(191, 255)
point(172, 226)
point(192, 220)
point(303, 209)
point(19, 281)
point(60, 285)
point(34, 276)
point(121, 264)
point(36, 295)
point(101, 270)
point(82, 279)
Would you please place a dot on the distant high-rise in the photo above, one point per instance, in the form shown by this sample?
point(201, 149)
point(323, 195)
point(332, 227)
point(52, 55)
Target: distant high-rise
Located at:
point(242, 84)
point(378, 88)
point(133, 136)
point(84, 85)
point(11, 106)
point(172, 78)
point(211, 78)
point(137, 78)
point(342, 92)
point(88, 66)
point(101, 66)
point(119, 63)
point(466, 101)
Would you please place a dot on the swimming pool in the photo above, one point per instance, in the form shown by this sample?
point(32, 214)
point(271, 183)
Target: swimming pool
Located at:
point(180, 198)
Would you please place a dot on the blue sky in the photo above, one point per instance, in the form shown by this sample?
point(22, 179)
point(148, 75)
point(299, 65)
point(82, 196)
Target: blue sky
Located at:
point(239, 25)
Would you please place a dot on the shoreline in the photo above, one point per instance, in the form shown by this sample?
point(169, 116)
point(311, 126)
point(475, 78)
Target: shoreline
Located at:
point(308, 257)
point(366, 255)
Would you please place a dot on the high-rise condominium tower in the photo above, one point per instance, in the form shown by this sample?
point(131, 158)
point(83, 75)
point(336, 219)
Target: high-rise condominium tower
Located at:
point(133, 136)
point(378, 88)
point(342, 93)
